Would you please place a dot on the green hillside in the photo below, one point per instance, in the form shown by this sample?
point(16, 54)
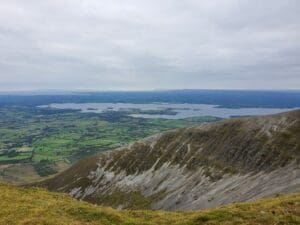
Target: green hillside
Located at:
point(38, 206)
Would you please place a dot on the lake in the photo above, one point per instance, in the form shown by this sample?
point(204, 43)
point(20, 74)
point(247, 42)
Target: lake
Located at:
point(181, 110)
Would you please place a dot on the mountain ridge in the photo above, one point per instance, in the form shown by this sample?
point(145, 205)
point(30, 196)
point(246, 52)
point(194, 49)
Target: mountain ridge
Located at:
point(205, 166)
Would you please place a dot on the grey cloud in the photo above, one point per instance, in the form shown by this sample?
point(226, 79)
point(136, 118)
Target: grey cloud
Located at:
point(139, 44)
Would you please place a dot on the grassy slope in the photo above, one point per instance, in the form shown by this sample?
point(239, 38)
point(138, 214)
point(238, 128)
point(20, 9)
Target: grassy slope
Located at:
point(37, 206)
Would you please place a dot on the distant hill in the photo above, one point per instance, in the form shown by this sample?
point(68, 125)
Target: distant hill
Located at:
point(234, 160)
point(37, 206)
point(224, 98)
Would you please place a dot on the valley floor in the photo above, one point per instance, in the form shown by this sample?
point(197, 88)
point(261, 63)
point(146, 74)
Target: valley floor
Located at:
point(38, 206)
point(36, 143)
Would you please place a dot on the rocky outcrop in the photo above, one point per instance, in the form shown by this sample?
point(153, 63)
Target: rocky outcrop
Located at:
point(198, 167)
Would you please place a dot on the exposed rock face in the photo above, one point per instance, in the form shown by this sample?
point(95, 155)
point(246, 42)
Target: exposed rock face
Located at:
point(199, 167)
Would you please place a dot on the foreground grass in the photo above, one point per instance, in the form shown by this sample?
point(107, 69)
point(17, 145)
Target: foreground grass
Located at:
point(38, 206)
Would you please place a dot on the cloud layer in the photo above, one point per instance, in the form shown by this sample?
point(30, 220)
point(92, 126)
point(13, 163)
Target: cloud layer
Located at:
point(139, 44)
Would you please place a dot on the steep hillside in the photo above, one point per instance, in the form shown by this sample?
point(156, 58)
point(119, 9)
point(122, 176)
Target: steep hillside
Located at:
point(37, 206)
point(209, 165)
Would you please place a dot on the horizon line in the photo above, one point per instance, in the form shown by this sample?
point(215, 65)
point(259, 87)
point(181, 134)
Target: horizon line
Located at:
point(66, 91)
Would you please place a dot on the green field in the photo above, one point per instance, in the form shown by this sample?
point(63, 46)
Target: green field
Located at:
point(44, 136)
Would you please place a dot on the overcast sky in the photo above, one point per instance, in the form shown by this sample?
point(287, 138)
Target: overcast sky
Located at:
point(153, 44)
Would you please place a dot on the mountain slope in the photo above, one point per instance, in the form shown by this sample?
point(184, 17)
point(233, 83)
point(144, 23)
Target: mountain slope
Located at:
point(199, 167)
point(37, 206)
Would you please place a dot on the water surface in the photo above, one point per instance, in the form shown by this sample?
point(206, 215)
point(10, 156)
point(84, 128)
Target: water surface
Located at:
point(182, 110)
